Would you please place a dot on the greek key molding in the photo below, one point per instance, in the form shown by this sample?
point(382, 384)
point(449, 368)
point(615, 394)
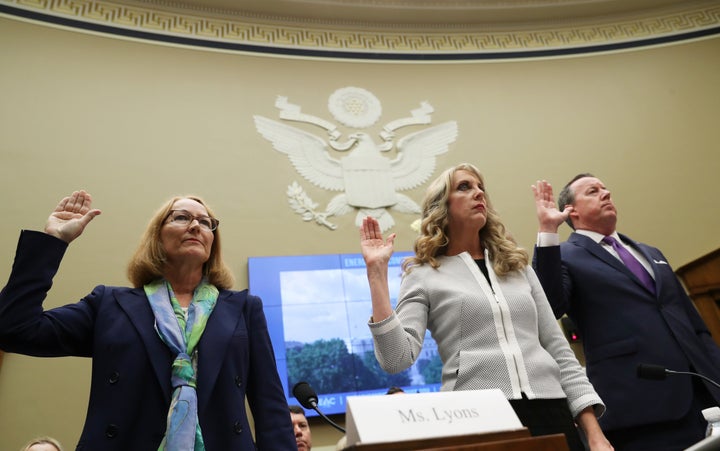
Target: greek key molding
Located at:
point(262, 34)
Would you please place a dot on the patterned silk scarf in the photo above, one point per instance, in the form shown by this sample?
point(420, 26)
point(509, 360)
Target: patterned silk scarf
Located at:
point(182, 336)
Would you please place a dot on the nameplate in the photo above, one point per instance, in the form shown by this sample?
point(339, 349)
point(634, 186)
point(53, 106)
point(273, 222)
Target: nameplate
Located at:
point(413, 416)
point(711, 443)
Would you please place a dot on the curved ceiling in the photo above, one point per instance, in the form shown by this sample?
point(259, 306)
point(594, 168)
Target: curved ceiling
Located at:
point(420, 30)
point(426, 13)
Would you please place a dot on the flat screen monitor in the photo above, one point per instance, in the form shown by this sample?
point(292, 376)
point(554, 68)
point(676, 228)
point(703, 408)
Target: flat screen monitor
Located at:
point(317, 308)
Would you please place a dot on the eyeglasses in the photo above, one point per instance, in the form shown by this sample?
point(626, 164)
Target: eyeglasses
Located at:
point(183, 218)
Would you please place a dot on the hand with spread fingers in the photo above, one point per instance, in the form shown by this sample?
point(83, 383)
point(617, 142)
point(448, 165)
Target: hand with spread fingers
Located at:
point(71, 216)
point(377, 253)
point(549, 215)
point(374, 248)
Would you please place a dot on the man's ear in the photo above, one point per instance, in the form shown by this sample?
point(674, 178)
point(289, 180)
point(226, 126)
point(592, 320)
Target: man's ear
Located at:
point(572, 214)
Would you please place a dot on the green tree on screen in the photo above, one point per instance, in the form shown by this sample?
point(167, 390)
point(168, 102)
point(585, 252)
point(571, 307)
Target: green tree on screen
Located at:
point(330, 368)
point(431, 369)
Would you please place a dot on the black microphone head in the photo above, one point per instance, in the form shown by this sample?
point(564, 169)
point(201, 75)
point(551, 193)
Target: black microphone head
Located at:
point(648, 371)
point(305, 395)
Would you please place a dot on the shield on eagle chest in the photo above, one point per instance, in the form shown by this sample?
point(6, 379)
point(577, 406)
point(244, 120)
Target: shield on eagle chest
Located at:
point(368, 180)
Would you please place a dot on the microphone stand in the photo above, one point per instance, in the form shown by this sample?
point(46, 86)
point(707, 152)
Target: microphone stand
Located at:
point(307, 397)
point(694, 374)
point(328, 420)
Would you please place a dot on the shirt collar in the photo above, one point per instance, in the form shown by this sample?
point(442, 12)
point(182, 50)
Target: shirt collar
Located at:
point(597, 237)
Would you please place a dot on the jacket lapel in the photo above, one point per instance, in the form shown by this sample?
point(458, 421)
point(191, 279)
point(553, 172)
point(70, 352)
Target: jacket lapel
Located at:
point(135, 304)
point(649, 258)
point(216, 338)
point(597, 250)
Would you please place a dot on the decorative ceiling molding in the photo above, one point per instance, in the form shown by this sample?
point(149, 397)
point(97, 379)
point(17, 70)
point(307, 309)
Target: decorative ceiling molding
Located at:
point(429, 42)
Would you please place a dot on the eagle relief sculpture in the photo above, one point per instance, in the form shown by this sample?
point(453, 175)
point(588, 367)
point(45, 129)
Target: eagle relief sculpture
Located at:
point(369, 182)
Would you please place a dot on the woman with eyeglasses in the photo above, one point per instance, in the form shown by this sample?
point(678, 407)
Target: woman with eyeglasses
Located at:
point(174, 357)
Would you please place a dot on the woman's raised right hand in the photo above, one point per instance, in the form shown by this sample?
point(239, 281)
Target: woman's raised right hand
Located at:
point(71, 216)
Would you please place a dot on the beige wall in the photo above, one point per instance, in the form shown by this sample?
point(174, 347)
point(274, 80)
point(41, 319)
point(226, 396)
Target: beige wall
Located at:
point(135, 123)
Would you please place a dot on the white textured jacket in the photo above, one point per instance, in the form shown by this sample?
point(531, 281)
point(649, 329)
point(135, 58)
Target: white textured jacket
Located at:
point(504, 336)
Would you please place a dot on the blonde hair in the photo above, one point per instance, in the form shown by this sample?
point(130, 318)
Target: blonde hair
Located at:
point(148, 262)
point(433, 241)
point(42, 441)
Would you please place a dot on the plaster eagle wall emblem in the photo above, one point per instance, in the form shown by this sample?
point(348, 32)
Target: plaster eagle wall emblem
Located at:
point(369, 181)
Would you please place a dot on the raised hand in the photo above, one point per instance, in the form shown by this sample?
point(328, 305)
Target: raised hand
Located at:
point(377, 253)
point(71, 216)
point(374, 248)
point(549, 216)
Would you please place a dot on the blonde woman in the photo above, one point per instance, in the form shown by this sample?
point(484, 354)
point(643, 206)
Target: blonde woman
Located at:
point(175, 356)
point(471, 286)
point(42, 444)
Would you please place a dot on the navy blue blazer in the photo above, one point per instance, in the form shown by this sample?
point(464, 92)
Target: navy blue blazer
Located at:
point(130, 388)
point(622, 324)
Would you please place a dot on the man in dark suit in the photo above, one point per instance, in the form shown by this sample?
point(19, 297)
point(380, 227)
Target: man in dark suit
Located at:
point(624, 321)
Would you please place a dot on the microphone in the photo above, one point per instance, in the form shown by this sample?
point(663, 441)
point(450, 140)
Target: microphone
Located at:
point(307, 398)
point(648, 371)
point(657, 372)
point(305, 395)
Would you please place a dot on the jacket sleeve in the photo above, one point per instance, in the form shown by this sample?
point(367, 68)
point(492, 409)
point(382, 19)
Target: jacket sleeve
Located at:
point(25, 328)
point(273, 427)
point(398, 339)
point(696, 320)
point(554, 278)
point(574, 381)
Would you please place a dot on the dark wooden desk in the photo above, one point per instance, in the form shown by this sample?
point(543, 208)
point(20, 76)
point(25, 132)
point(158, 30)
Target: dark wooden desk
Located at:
point(701, 278)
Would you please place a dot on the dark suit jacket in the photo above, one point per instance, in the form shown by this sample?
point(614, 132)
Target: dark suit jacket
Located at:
point(622, 324)
point(130, 390)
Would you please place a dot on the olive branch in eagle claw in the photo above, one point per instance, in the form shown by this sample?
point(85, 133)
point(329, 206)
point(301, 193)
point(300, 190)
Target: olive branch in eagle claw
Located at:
point(301, 203)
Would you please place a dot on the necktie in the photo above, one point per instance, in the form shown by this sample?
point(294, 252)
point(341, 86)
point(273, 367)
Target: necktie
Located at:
point(632, 263)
